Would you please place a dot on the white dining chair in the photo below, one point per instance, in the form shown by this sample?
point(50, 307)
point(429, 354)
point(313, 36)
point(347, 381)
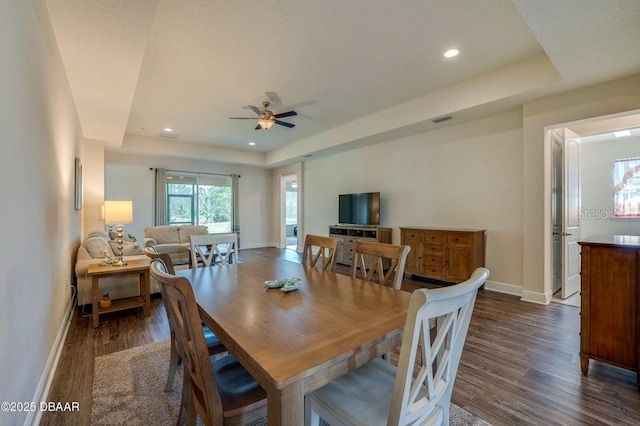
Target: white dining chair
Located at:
point(380, 393)
point(213, 249)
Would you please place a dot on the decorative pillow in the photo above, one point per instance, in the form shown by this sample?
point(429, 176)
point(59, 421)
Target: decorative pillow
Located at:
point(96, 247)
point(162, 234)
point(114, 236)
point(128, 248)
point(185, 231)
point(98, 233)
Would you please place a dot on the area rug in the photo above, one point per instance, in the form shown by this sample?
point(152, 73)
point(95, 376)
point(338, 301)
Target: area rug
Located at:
point(128, 389)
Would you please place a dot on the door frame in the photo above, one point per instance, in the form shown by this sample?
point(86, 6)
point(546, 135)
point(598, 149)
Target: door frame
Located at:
point(283, 211)
point(548, 178)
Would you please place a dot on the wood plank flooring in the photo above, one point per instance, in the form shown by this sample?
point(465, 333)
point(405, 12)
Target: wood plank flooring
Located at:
point(520, 364)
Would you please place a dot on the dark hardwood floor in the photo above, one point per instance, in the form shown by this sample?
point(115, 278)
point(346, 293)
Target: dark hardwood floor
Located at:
point(520, 364)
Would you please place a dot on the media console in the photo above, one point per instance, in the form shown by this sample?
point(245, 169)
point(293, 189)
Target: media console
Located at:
point(350, 233)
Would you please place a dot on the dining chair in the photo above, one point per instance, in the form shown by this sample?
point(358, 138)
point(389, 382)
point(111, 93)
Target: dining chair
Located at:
point(210, 249)
point(325, 251)
point(213, 343)
point(220, 392)
point(370, 258)
point(380, 393)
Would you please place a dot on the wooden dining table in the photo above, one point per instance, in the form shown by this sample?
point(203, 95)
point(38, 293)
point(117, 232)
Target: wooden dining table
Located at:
point(295, 342)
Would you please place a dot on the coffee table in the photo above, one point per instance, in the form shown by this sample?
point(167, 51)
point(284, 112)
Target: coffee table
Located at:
point(137, 267)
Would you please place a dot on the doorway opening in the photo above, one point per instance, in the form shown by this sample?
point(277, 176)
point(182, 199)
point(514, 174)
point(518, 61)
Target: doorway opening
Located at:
point(290, 211)
point(581, 158)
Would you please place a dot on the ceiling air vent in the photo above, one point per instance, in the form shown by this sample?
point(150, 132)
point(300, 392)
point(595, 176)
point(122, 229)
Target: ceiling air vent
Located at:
point(441, 119)
point(168, 135)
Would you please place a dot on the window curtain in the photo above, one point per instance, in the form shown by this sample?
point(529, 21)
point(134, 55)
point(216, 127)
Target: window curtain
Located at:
point(161, 197)
point(235, 206)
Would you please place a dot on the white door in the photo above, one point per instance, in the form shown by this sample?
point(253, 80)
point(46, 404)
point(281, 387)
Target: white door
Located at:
point(570, 213)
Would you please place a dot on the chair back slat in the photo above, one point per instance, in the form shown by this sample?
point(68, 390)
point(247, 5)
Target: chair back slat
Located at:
point(210, 249)
point(415, 396)
point(369, 257)
point(325, 251)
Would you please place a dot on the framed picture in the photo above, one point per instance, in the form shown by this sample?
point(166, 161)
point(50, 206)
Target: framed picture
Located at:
point(77, 204)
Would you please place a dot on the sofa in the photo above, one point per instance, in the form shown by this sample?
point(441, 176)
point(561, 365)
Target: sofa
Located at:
point(93, 250)
point(173, 240)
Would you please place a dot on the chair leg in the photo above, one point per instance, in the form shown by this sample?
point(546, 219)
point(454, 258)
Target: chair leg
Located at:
point(187, 414)
point(174, 361)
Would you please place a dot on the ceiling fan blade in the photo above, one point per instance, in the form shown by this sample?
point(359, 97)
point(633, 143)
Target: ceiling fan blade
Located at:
point(282, 123)
point(258, 127)
point(252, 108)
point(285, 114)
point(242, 118)
point(274, 98)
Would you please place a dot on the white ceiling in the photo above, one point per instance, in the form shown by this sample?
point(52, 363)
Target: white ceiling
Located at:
point(357, 72)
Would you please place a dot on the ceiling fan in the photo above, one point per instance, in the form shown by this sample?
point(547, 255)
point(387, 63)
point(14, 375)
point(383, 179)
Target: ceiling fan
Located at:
point(266, 118)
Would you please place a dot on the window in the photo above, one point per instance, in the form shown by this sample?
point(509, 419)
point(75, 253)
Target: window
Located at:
point(199, 199)
point(626, 189)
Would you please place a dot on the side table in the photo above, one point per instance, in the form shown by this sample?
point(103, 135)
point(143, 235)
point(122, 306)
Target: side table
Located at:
point(137, 267)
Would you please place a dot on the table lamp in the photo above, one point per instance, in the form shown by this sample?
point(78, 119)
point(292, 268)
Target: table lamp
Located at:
point(118, 213)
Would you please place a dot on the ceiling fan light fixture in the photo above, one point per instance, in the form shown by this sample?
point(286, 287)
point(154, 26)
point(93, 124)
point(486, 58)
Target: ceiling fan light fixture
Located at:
point(266, 123)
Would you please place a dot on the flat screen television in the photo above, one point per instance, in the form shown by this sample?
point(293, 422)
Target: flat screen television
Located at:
point(359, 209)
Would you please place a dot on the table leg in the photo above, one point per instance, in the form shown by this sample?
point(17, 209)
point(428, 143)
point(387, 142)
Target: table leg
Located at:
point(94, 301)
point(145, 290)
point(286, 406)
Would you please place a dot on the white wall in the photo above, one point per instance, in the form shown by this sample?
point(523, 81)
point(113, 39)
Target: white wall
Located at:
point(128, 178)
point(93, 185)
point(596, 180)
point(40, 137)
point(465, 176)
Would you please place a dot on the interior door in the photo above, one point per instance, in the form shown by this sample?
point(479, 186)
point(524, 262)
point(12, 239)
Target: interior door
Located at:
point(570, 213)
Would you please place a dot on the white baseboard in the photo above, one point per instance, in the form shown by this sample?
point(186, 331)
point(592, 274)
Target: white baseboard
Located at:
point(254, 246)
point(516, 290)
point(42, 392)
point(535, 297)
point(513, 289)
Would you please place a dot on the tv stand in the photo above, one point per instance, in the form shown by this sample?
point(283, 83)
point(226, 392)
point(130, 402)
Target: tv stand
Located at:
point(348, 234)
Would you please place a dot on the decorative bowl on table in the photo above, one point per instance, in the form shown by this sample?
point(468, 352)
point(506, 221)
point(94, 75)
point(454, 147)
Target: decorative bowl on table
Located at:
point(290, 286)
point(287, 284)
point(274, 283)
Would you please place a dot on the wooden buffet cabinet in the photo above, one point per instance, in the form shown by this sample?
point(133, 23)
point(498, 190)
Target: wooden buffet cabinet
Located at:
point(610, 300)
point(449, 255)
point(348, 236)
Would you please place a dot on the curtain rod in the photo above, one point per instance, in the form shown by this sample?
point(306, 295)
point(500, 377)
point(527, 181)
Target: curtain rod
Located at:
point(197, 173)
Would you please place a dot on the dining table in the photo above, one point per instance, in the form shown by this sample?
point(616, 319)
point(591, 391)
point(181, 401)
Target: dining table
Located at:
point(293, 342)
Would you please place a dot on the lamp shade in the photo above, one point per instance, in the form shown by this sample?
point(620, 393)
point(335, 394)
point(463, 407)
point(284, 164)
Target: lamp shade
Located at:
point(266, 123)
point(118, 212)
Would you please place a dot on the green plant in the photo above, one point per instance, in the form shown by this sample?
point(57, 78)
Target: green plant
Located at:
point(132, 237)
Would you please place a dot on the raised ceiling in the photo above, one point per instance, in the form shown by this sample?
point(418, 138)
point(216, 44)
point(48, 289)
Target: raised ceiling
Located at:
point(356, 72)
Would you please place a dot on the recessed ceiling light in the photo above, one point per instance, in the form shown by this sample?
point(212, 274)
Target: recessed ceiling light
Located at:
point(451, 53)
point(252, 143)
point(168, 129)
point(622, 133)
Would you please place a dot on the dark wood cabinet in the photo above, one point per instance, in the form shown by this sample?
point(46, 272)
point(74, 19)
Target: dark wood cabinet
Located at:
point(610, 296)
point(449, 255)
